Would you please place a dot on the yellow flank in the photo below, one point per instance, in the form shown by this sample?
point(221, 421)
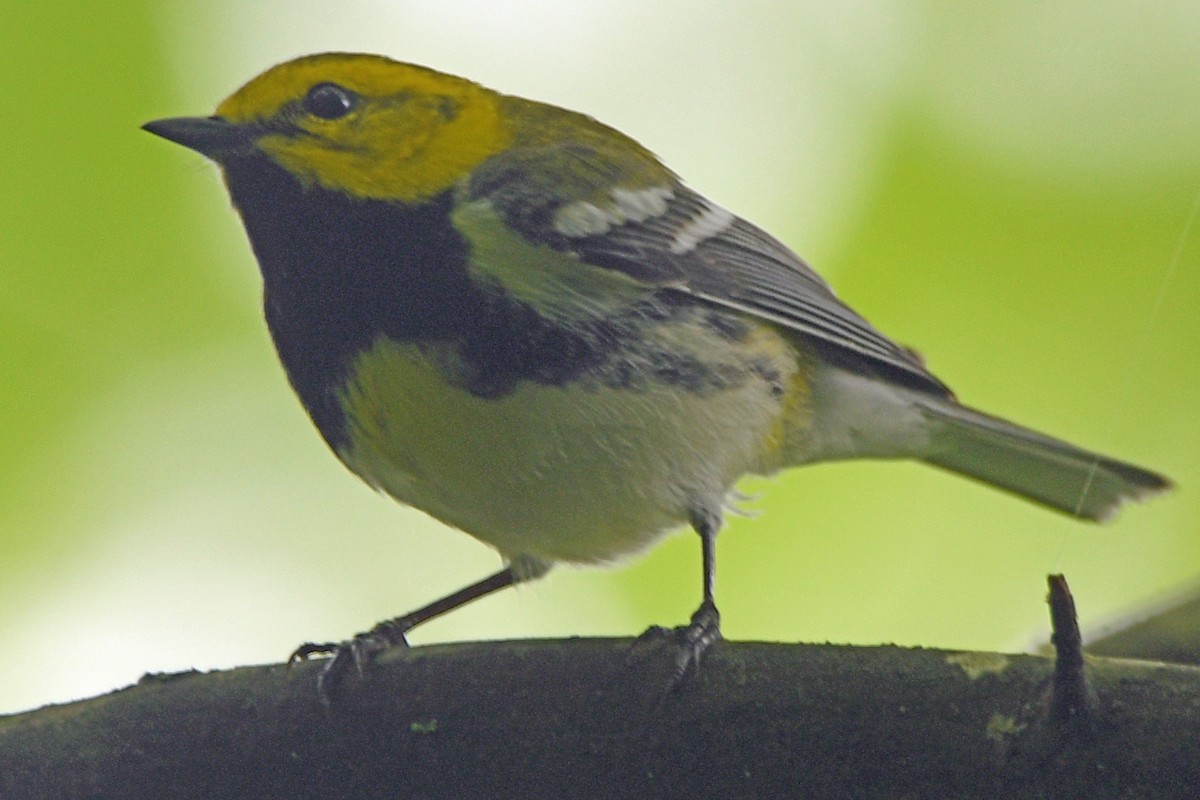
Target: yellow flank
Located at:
point(415, 133)
point(789, 439)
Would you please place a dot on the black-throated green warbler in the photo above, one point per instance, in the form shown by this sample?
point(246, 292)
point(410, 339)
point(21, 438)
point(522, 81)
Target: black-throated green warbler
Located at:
point(516, 319)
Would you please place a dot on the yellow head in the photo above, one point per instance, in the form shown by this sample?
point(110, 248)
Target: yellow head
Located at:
point(366, 125)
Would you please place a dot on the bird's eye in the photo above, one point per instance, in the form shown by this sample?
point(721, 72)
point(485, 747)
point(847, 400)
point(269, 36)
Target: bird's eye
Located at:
point(329, 101)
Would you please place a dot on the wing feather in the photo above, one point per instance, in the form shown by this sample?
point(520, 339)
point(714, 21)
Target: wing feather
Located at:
point(681, 242)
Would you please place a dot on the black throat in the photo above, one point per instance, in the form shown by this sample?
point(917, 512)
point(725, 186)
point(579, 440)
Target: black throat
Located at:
point(340, 273)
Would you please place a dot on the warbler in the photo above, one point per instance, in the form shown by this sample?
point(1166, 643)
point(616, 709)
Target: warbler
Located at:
point(516, 319)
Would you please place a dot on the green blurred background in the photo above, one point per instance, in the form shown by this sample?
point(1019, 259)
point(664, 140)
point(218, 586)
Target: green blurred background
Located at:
point(1006, 186)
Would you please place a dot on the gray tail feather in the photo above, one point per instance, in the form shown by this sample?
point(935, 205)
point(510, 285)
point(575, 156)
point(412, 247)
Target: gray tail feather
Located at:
point(1036, 467)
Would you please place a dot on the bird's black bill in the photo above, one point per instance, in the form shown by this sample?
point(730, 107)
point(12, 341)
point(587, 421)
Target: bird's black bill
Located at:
point(210, 136)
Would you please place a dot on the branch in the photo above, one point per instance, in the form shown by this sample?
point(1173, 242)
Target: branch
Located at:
point(586, 718)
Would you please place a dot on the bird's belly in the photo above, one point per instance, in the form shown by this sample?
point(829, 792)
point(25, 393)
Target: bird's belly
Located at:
point(586, 471)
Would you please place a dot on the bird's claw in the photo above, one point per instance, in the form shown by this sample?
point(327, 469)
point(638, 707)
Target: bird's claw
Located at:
point(692, 640)
point(356, 652)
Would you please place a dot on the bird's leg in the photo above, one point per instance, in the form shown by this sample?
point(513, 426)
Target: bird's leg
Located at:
point(705, 627)
point(695, 638)
point(391, 633)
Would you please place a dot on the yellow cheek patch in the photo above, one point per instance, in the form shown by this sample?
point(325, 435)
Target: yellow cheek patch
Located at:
point(413, 135)
point(404, 153)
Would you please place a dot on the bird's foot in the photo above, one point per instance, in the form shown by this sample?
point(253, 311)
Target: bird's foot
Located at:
point(692, 640)
point(356, 652)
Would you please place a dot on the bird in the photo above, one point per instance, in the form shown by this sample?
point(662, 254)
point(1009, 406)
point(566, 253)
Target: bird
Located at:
point(516, 319)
